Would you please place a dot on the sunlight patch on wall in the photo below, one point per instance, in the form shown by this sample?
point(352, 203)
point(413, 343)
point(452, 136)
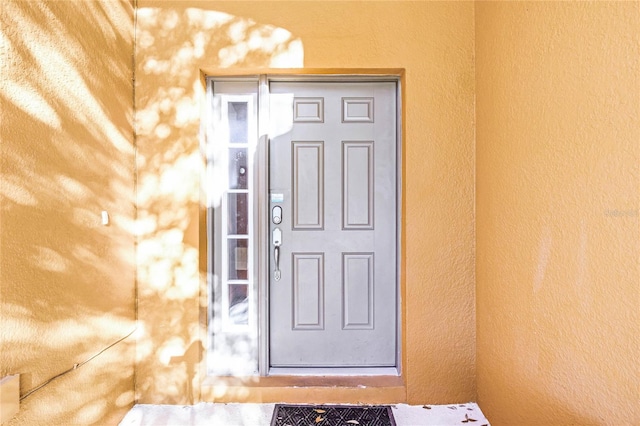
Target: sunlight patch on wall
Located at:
point(14, 190)
point(239, 41)
point(55, 68)
point(49, 259)
point(91, 412)
point(284, 50)
point(62, 335)
point(32, 103)
point(172, 348)
point(174, 45)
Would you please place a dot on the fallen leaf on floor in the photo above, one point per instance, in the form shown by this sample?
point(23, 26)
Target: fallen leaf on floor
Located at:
point(427, 407)
point(319, 419)
point(319, 411)
point(452, 408)
point(468, 419)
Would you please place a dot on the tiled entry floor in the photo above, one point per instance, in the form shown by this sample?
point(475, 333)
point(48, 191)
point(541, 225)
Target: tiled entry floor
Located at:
point(260, 415)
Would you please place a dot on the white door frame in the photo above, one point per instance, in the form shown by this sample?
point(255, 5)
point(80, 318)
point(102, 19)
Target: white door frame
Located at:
point(262, 216)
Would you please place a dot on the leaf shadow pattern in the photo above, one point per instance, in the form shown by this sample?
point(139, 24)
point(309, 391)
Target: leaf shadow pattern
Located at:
point(67, 283)
point(176, 43)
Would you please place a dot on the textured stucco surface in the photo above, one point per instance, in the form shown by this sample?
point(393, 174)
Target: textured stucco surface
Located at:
point(558, 193)
point(66, 281)
point(557, 198)
point(433, 42)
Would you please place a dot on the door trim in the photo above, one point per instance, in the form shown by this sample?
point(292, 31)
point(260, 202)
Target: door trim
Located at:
point(261, 213)
point(262, 170)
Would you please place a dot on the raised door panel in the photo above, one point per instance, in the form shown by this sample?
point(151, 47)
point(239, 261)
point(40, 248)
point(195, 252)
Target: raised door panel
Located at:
point(308, 185)
point(357, 185)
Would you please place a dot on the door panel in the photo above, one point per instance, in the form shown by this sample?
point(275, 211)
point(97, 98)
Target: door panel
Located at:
point(333, 173)
point(308, 185)
point(357, 185)
point(357, 291)
point(308, 291)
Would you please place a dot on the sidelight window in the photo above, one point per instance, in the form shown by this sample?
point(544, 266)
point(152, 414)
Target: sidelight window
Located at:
point(230, 146)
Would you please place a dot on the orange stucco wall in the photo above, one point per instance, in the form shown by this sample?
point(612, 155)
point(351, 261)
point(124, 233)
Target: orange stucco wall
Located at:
point(434, 43)
point(553, 138)
point(67, 283)
point(558, 197)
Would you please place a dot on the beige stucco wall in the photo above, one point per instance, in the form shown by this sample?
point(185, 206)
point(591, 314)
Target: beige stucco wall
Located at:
point(434, 43)
point(558, 197)
point(67, 282)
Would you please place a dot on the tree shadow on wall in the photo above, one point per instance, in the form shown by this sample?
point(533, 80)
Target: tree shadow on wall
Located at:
point(68, 283)
point(174, 43)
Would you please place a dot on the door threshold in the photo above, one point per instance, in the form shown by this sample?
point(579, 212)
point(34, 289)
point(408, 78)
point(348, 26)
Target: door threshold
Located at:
point(333, 371)
point(280, 381)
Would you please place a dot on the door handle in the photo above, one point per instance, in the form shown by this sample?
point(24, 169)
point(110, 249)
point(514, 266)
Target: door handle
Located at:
point(276, 256)
point(277, 242)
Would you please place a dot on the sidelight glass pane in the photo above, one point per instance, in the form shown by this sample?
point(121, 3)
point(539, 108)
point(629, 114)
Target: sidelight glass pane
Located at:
point(238, 304)
point(238, 261)
point(238, 213)
point(238, 171)
point(231, 145)
point(238, 122)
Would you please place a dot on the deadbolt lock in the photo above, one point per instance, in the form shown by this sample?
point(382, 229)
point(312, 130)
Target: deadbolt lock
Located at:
point(276, 215)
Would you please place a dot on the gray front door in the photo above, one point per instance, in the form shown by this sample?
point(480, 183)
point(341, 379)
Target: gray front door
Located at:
point(332, 184)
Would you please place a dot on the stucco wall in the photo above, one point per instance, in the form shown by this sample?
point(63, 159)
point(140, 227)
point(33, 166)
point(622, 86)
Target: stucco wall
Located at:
point(558, 157)
point(434, 43)
point(558, 110)
point(67, 282)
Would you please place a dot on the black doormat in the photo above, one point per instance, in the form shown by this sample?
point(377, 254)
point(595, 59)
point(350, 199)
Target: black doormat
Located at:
point(332, 415)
